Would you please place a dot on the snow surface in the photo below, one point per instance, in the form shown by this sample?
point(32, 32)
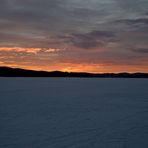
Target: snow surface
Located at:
point(73, 113)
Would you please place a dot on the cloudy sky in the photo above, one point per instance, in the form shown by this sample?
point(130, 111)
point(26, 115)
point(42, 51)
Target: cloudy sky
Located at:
point(74, 35)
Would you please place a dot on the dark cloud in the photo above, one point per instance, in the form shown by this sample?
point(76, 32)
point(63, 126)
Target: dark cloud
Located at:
point(101, 34)
point(137, 6)
point(31, 11)
point(134, 21)
point(92, 39)
point(141, 50)
point(45, 18)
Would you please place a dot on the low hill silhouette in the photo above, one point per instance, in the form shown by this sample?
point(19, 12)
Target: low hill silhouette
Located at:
point(18, 72)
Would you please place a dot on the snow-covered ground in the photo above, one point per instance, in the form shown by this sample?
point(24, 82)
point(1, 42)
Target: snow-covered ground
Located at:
point(73, 113)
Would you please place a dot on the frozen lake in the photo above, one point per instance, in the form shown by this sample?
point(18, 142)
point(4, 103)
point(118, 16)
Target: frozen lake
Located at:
point(73, 113)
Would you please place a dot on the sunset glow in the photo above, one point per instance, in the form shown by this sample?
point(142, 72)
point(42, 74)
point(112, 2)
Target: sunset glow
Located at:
point(74, 36)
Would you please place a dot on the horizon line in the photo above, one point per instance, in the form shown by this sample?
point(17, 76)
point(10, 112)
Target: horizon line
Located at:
point(70, 72)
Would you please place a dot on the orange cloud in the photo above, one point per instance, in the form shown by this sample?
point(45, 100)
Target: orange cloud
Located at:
point(28, 50)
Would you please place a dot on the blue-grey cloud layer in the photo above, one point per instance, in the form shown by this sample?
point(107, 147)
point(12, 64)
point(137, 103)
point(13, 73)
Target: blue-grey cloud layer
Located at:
point(80, 26)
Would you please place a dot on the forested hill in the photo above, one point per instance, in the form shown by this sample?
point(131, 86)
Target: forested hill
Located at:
point(17, 72)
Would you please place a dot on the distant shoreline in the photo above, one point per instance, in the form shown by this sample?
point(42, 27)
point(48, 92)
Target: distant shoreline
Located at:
point(18, 72)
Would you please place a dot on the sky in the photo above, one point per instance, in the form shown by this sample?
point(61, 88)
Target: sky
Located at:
point(75, 35)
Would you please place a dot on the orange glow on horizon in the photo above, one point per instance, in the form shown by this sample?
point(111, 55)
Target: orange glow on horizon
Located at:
point(48, 59)
point(94, 68)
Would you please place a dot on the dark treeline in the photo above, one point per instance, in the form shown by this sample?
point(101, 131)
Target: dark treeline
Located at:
point(17, 72)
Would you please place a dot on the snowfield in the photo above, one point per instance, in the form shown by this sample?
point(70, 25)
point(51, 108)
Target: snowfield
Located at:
point(73, 113)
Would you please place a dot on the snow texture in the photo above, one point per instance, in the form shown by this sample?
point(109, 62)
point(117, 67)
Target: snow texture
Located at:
point(73, 113)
